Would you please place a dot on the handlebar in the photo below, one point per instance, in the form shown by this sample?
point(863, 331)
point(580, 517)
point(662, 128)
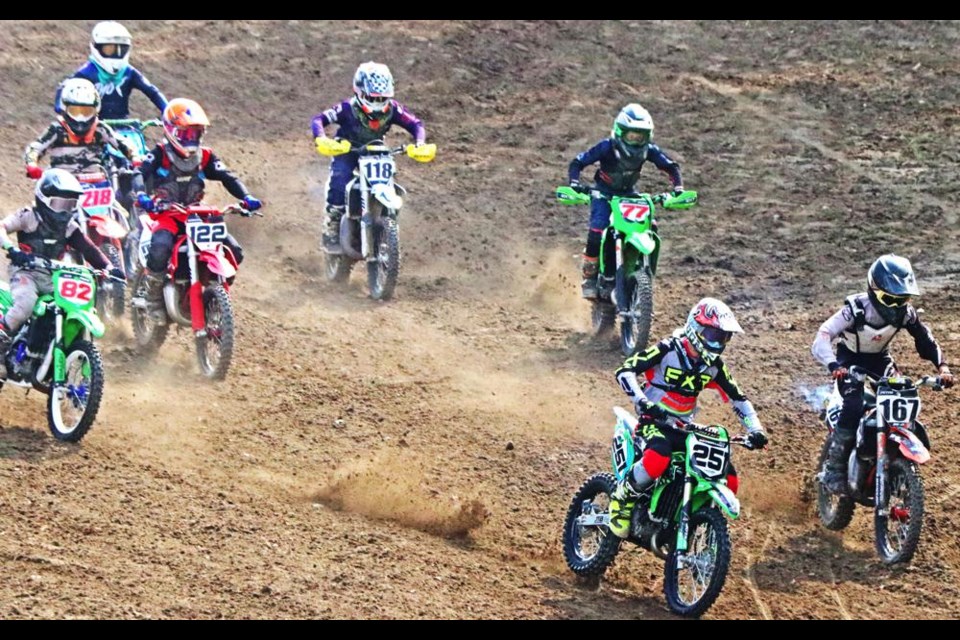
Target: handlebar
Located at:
point(693, 427)
point(203, 210)
point(133, 123)
point(47, 264)
point(860, 374)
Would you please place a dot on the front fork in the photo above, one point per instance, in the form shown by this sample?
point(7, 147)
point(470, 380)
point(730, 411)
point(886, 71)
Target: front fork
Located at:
point(880, 482)
point(683, 530)
point(197, 315)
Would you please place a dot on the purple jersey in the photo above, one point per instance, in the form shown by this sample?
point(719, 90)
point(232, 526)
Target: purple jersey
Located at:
point(357, 132)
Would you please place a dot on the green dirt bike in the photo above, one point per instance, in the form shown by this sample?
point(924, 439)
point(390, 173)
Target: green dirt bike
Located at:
point(680, 520)
point(632, 239)
point(59, 334)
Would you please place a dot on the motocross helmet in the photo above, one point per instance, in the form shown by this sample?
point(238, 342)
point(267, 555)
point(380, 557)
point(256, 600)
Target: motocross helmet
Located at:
point(633, 131)
point(80, 106)
point(373, 93)
point(110, 46)
point(710, 325)
point(184, 123)
point(56, 196)
point(890, 284)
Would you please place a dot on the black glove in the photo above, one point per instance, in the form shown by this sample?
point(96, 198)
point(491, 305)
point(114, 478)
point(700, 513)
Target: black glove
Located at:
point(677, 190)
point(757, 439)
point(19, 258)
point(118, 273)
point(579, 188)
point(647, 408)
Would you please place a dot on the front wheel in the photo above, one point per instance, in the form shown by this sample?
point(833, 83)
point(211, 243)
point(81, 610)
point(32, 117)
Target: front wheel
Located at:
point(73, 402)
point(835, 511)
point(382, 273)
point(898, 529)
point(588, 545)
point(215, 350)
point(635, 326)
point(692, 580)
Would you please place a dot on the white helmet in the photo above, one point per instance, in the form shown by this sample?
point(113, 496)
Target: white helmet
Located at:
point(373, 87)
point(110, 46)
point(633, 131)
point(709, 326)
point(80, 105)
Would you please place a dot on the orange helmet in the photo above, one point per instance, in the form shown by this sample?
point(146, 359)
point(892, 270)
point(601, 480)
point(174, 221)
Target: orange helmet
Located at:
point(184, 122)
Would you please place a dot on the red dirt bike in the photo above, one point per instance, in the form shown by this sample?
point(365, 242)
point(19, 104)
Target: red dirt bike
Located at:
point(196, 287)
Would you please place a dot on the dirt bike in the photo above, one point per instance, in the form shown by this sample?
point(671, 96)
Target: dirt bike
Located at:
point(196, 290)
point(680, 519)
point(131, 130)
point(60, 333)
point(630, 248)
point(370, 231)
point(882, 470)
point(104, 221)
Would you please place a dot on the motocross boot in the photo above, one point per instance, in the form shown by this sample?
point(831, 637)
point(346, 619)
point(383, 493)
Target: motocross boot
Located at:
point(153, 294)
point(834, 475)
point(624, 499)
point(331, 229)
point(589, 269)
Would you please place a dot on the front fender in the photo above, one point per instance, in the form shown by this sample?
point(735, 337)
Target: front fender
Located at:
point(910, 445)
point(645, 242)
point(218, 263)
point(78, 320)
point(725, 499)
point(387, 196)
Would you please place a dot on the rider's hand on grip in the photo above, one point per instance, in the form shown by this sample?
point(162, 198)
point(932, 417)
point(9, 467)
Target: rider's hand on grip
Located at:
point(757, 439)
point(250, 204)
point(647, 408)
point(118, 274)
point(677, 190)
point(946, 378)
point(579, 188)
point(34, 172)
point(146, 202)
point(839, 373)
point(19, 258)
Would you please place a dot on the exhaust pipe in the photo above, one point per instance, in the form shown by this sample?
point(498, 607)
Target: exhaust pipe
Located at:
point(171, 297)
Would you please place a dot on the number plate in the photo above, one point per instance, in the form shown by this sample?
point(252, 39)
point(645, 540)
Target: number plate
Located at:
point(634, 211)
point(709, 457)
point(896, 408)
point(75, 289)
point(96, 197)
point(206, 235)
point(377, 170)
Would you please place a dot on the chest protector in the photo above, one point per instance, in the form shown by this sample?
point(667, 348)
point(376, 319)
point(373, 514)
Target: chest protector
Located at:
point(620, 173)
point(369, 129)
point(863, 338)
point(48, 240)
point(176, 182)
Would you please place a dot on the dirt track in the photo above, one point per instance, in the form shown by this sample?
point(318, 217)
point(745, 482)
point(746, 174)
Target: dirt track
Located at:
point(416, 458)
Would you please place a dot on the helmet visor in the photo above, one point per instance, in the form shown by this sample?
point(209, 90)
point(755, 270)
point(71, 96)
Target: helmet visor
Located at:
point(112, 50)
point(714, 338)
point(636, 137)
point(61, 205)
point(890, 300)
point(81, 112)
point(374, 103)
point(189, 136)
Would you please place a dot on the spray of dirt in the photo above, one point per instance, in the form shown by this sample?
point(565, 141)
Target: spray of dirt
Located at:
point(391, 487)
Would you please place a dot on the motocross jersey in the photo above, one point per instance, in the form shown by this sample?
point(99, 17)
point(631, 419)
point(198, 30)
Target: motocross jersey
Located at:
point(672, 380)
point(173, 179)
point(354, 129)
point(115, 90)
point(620, 175)
point(49, 240)
point(862, 330)
point(75, 154)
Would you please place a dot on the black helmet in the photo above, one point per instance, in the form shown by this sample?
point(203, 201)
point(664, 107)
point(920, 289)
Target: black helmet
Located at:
point(891, 283)
point(56, 196)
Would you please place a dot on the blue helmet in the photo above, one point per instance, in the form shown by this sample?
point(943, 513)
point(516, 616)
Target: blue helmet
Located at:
point(373, 88)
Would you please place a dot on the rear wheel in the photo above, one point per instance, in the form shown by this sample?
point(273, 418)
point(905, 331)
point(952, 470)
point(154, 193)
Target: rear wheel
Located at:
point(604, 315)
point(835, 511)
point(149, 333)
point(111, 304)
point(588, 546)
